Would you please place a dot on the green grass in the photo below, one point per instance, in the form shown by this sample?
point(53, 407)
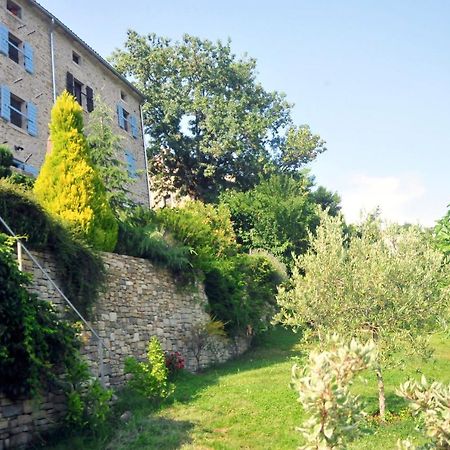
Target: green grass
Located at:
point(247, 404)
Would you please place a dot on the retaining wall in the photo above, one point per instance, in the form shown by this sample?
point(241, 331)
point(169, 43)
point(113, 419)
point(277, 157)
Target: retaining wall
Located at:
point(139, 301)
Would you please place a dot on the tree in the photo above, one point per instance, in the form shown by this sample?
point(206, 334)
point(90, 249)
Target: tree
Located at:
point(6, 160)
point(386, 284)
point(211, 124)
point(104, 147)
point(275, 215)
point(442, 234)
point(68, 185)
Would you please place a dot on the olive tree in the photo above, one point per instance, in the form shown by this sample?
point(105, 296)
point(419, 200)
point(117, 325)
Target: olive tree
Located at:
point(385, 283)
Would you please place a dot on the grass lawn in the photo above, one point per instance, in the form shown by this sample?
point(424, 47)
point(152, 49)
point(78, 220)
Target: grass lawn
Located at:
point(247, 404)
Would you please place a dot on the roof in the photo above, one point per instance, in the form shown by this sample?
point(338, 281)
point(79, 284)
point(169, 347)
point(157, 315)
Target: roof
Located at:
point(87, 47)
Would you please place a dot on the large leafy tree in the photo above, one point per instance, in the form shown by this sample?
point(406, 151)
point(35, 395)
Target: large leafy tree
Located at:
point(68, 186)
point(278, 213)
point(211, 124)
point(385, 284)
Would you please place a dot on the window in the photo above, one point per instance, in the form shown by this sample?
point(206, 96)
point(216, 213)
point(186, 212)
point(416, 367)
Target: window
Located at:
point(131, 164)
point(20, 113)
point(78, 91)
point(19, 52)
point(17, 107)
point(75, 88)
point(76, 58)
point(126, 121)
point(14, 8)
point(14, 46)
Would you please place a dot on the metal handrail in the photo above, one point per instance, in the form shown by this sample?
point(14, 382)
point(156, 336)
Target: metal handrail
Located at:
point(61, 293)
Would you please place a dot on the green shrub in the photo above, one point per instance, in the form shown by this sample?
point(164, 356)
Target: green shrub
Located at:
point(140, 236)
point(323, 389)
point(6, 160)
point(150, 378)
point(88, 403)
point(431, 402)
point(80, 270)
point(35, 344)
point(68, 186)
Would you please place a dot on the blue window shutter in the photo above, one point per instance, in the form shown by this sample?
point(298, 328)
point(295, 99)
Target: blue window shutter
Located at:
point(131, 164)
point(4, 39)
point(5, 110)
point(32, 119)
point(120, 117)
point(28, 57)
point(134, 127)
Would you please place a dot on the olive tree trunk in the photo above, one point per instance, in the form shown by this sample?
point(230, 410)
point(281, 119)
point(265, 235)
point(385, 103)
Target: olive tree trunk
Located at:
point(381, 395)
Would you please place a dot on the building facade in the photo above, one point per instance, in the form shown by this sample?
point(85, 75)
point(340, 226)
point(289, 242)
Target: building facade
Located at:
point(39, 58)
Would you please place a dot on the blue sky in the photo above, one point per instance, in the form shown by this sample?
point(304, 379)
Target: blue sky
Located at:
point(371, 77)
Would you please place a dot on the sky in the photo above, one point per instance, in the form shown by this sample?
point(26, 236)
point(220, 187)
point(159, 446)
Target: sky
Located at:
point(371, 77)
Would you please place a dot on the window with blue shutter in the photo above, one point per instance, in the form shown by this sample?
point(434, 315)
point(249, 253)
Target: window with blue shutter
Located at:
point(5, 103)
point(131, 164)
point(134, 127)
point(121, 117)
point(32, 119)
point(4, 40)
point(28, 57)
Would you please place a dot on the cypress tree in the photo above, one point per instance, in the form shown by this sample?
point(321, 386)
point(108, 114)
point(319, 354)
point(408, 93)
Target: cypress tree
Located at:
point(68, 186)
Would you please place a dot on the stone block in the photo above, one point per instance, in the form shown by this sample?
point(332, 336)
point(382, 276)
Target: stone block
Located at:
point(12, 410)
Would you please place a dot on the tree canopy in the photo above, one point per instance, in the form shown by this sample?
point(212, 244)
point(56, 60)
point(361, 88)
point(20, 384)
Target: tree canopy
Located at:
point(211, 124)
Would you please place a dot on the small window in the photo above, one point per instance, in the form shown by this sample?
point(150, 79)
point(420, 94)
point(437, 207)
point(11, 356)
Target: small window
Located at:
point(14, 8)
point(76, 58)
point(123, 96)
point(17, 111)
point(126, 115)
point(78, 91)
point(14, 48)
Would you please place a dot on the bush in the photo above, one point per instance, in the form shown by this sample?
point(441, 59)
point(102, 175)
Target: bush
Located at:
point(6, 160)
point(140, 236)
point(323, 389)
point(88, 403)
point(68, 185)
point(432, 403)
point(35, 344)
point(150, 378)
point(174, 363)
point(80, 270)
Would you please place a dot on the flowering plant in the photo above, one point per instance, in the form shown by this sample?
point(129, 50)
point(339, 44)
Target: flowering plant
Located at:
point(174, 362)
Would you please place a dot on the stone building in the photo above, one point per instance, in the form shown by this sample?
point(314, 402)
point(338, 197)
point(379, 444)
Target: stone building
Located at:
point(39, 58)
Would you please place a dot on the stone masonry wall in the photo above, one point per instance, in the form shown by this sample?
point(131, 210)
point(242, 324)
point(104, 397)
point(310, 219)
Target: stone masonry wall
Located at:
point(139, 301)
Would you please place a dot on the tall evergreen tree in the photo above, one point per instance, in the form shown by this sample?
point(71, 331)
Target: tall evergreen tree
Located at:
point(68, 185)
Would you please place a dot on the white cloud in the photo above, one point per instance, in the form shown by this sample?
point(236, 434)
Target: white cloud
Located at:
point(400, 198)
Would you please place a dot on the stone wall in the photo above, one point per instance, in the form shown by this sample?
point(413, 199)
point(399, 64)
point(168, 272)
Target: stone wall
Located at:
point(139, 301)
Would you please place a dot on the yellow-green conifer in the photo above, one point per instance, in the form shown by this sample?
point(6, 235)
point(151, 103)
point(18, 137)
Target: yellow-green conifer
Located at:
point(68, 185)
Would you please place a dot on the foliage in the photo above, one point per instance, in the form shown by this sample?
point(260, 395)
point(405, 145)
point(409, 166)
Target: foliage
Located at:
point(275, 215)
point(387, 284)
point(104, 149)
point(80, 270)
point(140, 235)
point(6, 160)
point(206, 229)
point(174, 363)
point(432, 403)
point(323, 389)
point(442, 234)
point(35, 344)
point(150, 378)
point(211, 124)
point(88, 403)
point(68, 186)
point(329, 201)
point(201, 336)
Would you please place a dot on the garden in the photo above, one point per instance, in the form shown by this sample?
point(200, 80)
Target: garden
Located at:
point(348, 321)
